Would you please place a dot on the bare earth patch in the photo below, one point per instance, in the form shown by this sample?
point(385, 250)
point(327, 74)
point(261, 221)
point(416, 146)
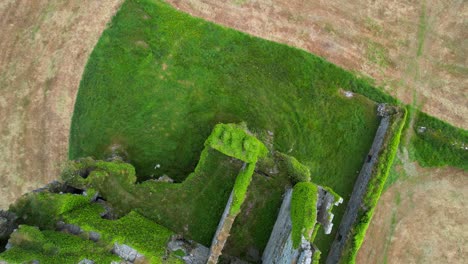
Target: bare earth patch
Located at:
point(44, 47)
point(420, 220)
point(414, 49)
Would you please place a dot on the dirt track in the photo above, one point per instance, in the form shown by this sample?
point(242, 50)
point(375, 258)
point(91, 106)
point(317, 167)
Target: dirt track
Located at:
point(44, 46)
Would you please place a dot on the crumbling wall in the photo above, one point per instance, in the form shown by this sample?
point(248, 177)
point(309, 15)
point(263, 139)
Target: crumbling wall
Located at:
point(279, 249)
point(325, 203)
point(360, 187)
point(222, 233)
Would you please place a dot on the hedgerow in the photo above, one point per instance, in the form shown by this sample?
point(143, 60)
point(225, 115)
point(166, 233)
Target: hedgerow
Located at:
point(303, 211)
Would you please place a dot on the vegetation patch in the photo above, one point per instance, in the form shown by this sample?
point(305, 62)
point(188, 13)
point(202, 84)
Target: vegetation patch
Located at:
point(240, 187)
point(29, 243)
point(378, 54)
point(234, 140)
point(436, 143)
point(142, 234)
point(316, 257)
point(45, 209)
point(303, 211)
point(422, 29)
point(296, 171)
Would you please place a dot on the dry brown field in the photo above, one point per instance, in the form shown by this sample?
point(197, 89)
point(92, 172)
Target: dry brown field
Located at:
point(44, 46)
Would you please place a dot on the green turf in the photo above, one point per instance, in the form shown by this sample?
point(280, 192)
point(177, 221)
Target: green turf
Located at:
point(159, 80)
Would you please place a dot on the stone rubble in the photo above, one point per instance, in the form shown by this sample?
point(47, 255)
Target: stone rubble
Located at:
point(126, 252)
point(86, 261)
point(7, 224)
point(194, 253)
point(165, 178)
point(324, 204)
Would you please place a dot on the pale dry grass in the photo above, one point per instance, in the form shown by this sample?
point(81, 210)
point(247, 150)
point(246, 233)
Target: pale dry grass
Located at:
point(420, 220)
point(377, 38)
point(43, 50)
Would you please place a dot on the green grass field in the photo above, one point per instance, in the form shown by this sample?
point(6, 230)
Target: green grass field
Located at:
point(159, 80)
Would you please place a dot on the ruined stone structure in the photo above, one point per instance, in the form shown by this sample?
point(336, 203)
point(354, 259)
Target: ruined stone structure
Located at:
point(222, 233)
point(324, 205)
point(279, 249)
point(360, 187)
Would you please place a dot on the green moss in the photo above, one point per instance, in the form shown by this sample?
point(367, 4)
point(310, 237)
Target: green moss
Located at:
point(179, 253)
point(195, 208)
point(240, 187)
point(29, 243)
point(314, 234)
point(253, 225)
point(336, 197)
point(303, 211)
point(45, 209)
point(73, 171)
point(234, 140)
point(316, 257)
point(297, 171)
point(147, 237)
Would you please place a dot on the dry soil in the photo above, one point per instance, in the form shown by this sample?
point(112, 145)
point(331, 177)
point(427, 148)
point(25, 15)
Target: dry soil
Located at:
point(420, 220)
point(44, 46)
